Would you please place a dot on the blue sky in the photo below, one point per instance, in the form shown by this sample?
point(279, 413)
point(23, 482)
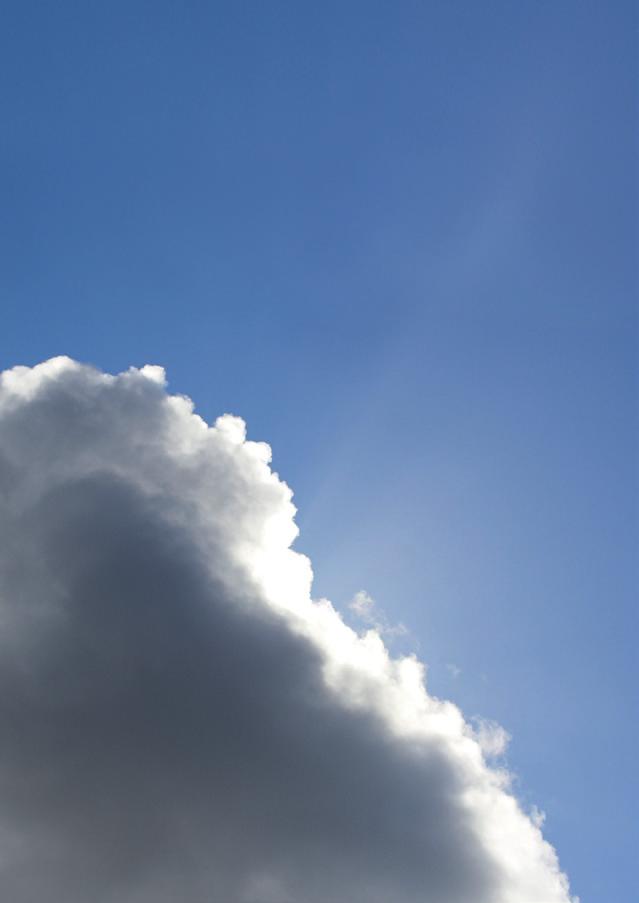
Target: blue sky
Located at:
point(398, 239)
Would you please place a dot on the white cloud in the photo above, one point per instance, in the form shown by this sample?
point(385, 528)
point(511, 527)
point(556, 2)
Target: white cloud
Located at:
point(492, 737)
point(367, 611)
point(179, 719)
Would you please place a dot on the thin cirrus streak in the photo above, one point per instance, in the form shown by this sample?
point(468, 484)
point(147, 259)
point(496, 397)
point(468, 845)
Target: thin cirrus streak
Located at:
point(179, 719)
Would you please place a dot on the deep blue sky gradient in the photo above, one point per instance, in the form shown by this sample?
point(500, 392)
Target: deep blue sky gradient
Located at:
point(399, 238)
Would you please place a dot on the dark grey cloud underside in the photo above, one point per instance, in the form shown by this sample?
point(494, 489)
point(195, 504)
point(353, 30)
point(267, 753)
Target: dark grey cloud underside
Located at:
point(163, 739)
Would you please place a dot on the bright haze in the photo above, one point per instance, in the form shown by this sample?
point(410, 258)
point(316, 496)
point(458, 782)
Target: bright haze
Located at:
point(179, 719)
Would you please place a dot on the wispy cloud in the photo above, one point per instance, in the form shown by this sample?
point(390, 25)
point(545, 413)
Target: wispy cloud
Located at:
point(365, 608)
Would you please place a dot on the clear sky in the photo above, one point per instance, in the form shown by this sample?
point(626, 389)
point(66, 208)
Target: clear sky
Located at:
point(399, 239)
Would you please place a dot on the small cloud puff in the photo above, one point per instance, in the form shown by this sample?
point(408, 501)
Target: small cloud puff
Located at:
point(492, 737)
point(365, 608)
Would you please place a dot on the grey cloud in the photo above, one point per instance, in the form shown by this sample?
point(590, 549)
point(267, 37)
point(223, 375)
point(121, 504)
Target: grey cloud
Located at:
point(167, 732)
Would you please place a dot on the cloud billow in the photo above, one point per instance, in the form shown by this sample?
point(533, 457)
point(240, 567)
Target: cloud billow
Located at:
point(179, 720)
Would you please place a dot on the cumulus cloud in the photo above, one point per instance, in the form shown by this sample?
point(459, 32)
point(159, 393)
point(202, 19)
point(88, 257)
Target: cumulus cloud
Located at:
point(179, 719)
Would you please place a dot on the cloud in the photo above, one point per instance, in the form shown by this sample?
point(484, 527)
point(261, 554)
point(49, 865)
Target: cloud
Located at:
point(367, 611)
point(179, 720)
point(492, 737)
